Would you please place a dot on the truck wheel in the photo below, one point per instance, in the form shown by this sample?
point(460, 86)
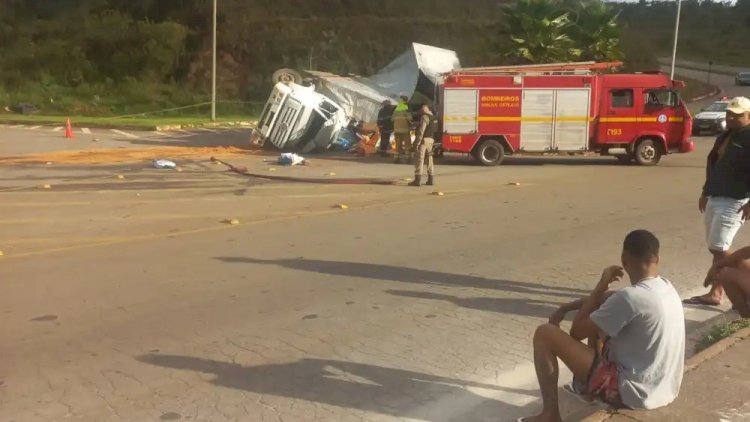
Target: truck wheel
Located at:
point(490, 152)
point(286, 76)
point(648, 153)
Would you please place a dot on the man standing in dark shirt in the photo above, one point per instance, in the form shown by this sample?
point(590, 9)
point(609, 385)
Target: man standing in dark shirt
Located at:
point(724, 199)
point(385, 125)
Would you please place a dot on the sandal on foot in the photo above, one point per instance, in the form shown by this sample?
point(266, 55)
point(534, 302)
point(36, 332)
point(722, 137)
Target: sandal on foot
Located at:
point(699, 300)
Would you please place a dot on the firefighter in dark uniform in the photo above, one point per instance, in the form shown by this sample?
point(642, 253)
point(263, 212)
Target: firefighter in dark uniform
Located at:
point(425, 147)
point(385, 125)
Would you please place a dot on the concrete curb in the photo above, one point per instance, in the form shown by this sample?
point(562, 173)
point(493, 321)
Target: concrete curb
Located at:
point(692, 363)
point(715, 349)
point(714, 92)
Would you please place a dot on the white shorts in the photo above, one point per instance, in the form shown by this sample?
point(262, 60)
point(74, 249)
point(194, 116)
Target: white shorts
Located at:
point(723, 221)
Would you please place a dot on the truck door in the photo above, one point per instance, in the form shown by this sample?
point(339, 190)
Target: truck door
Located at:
point(660, 113)
point(618, 118)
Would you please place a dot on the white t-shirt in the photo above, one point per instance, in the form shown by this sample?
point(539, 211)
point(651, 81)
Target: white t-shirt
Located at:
point(646, 324)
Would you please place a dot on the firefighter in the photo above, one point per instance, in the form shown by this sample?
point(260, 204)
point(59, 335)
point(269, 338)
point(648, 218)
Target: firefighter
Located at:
point(424, 146)
point(402, 130)
point(385, 125)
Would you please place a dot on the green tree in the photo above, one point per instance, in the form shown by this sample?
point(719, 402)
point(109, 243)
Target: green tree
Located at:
point(596, 31)
point(539, 30)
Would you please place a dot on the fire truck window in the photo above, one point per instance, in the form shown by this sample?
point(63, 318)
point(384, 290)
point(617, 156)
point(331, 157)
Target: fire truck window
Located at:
point(660, 98)
point(622, 98)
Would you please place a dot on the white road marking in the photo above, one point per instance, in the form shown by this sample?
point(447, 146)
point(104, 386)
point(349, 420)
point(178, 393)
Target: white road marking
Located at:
point(34, 127)
point(129, 135)
point(206, 130)
point(17, 126)
point(159, 133)
point(86, 130)
point(57, 129)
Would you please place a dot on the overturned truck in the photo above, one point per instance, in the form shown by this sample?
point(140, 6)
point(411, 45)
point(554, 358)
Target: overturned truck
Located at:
point(307, 110)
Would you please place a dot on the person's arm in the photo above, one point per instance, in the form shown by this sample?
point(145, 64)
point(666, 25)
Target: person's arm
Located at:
point(583, 326)
point(728, 261)
point(423, 122)
point(735, 258)
point(703, 200)
point(560, 313)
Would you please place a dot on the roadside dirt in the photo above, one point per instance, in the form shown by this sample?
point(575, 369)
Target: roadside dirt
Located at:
point(122, 155)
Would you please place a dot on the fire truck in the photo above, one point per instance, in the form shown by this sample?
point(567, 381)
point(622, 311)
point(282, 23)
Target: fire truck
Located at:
point(562, 109)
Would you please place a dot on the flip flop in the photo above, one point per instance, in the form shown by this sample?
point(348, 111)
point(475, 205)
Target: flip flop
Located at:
point(698, 300)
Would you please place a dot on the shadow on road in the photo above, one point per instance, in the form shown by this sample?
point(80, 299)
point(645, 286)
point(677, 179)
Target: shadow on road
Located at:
point(370, 388)
point(523, 307)
point(408, 275)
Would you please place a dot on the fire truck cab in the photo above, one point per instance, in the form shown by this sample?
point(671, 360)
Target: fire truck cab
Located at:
point(562, 108)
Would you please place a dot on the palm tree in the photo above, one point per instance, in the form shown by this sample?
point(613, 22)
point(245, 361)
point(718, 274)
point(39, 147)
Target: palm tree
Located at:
point(595, 28)
point(539, 31)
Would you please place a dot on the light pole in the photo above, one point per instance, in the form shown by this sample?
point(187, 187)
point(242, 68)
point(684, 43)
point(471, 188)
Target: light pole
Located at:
point(676, 33)
point(213, 70)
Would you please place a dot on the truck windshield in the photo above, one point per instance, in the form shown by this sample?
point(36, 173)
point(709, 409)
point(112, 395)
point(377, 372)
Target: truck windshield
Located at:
point(660, 98)
point(717, 107)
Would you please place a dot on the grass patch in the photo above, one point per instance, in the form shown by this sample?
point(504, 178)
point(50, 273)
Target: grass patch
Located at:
point(136, 122)
point(694, 88)
point(721, 331)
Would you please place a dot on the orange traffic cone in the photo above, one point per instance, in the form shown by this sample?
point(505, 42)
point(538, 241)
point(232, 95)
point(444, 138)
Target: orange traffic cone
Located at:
point(68, 129)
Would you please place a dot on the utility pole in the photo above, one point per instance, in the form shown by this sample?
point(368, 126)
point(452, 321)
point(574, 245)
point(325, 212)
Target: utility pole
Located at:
point(676, 33)
point(213, 70)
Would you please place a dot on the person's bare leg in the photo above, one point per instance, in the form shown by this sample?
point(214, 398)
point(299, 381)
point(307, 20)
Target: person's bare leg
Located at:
point(551, 343)
point(716, 295)
point(737, 285)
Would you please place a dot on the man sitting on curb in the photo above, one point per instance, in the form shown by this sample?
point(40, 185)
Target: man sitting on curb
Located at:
point(642, 326)
point(734, 272)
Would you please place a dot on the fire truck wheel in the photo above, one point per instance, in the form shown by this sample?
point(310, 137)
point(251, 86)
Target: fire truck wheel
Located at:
point(490, 152)
point(648, 153)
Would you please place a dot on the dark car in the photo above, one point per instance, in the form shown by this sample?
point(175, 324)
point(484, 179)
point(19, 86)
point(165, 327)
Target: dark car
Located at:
point(742, 78)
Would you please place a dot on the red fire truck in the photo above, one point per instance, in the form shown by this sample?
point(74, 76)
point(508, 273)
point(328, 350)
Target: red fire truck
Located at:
point(562, 108)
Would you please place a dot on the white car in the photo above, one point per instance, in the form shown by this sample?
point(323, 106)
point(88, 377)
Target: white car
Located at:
point(712, 119)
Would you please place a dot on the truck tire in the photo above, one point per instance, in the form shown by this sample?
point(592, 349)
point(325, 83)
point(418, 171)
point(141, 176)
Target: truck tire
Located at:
point(286, 76)
point(648, 153)
point(489, 153)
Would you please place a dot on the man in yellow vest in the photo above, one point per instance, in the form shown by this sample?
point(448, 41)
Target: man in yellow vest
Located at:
point(402, 130)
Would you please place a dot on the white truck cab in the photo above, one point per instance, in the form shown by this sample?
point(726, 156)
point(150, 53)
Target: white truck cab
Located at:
point(297, 118)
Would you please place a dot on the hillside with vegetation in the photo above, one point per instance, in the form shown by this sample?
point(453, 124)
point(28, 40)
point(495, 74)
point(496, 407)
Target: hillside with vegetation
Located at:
point(113, 57)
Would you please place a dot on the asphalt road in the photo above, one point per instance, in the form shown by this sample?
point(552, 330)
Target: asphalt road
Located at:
point(131, 300)
point(725, 82)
